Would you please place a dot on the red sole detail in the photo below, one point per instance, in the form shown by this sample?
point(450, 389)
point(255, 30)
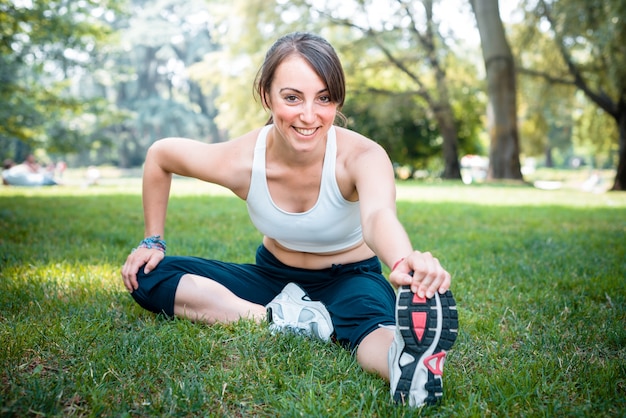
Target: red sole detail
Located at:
point(419, 324)
point(417, 299)
point(435, 363)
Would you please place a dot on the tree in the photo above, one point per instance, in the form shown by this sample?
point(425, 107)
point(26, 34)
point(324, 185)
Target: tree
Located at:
point(399, 125)
point(41, 42)
point(383, 106)
point(404, 45)
point(247, 28)
point(145, 76)
point(502, 109)
point(410, 41)
point(545, 111)
point(591, 40)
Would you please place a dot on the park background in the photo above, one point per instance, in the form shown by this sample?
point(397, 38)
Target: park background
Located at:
point(531, 84)
point(537, 248)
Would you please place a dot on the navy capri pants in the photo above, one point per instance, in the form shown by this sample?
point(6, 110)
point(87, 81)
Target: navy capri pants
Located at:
point(357, 295)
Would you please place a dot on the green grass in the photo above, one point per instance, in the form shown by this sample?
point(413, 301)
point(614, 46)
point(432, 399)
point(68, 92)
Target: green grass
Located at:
point(539, 278)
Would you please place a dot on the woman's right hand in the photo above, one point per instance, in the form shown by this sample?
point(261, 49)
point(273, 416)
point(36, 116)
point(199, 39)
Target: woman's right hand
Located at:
point(423, 272)
point(150, 257)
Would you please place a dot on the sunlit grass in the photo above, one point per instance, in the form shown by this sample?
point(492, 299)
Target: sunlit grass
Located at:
point(539, 279)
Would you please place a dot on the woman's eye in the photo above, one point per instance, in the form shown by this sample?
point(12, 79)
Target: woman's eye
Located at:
point(324, 99)
point(291, 98)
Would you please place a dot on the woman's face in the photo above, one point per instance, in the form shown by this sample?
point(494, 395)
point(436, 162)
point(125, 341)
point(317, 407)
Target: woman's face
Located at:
point(300, 104)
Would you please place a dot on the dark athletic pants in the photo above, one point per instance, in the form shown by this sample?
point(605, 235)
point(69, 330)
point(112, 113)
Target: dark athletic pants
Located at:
point(357, 295)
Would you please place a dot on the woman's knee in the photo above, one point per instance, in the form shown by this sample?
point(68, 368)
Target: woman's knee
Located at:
point(156, 291)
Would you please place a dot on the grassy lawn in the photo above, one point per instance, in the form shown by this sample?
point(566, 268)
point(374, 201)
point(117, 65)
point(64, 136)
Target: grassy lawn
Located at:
point(539, 278)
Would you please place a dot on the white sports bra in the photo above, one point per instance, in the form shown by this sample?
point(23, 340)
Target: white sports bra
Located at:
point(332, 224)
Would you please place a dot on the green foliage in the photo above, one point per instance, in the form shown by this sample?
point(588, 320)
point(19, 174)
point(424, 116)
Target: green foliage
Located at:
point(595, 36)
point(41, 44)
point(103, 80)
point(538, 278)
point(145, 81)
point(398, 124)
point(595, 131)
point(469, 102)
point(247, 30)
point(117, 76)
point(382, 102)
point(552, 116)
point(576, 45)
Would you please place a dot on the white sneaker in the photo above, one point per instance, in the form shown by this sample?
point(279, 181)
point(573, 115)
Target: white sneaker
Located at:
point(425, 330)
point(292, 310)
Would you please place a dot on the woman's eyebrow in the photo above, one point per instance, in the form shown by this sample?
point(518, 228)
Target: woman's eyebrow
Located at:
point(298, 91)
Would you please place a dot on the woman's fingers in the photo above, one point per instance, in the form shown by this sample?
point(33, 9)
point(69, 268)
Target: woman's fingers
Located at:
point(429, 276)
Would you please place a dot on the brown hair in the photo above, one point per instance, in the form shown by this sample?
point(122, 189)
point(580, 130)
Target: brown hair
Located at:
point(317, 52)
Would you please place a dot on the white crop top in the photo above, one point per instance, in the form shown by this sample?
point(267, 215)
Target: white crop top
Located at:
point(332, 224)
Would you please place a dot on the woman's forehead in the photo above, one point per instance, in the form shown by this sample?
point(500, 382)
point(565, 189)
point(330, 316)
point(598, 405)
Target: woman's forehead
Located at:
point(296, 73)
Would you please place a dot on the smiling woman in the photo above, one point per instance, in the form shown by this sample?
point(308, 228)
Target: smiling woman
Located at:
point(300, 112)
point(324, 198)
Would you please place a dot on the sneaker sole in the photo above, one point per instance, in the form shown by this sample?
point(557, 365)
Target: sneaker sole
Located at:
point(429, 328)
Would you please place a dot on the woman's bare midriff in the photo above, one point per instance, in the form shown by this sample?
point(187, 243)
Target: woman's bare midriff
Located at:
point(315, 261)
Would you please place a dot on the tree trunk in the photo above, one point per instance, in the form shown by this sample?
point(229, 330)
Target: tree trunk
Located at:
point(448, 131)
point(620, 176)
point(502, 109)
point(549, 162)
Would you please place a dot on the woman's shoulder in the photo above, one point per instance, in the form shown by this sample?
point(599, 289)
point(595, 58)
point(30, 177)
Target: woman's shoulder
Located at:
point(358, 154)
point(247, 138)
point(353, 141)
point(232, 162)
point(238, 147)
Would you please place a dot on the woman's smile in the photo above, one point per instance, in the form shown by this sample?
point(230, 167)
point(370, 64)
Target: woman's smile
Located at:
point(306, 132)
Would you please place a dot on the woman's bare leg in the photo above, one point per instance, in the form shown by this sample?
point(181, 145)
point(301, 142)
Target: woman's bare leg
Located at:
point(201, 299)
point(373, 352)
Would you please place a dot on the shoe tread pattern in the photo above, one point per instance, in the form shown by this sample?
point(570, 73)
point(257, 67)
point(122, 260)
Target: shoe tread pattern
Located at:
point(407, 307)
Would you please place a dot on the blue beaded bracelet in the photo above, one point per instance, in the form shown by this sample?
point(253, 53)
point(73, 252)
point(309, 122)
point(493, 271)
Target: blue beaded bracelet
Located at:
point(153, 241)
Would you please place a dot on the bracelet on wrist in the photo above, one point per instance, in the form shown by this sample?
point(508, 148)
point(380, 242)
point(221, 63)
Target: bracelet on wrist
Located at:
point(153, 241)
point(397, 263)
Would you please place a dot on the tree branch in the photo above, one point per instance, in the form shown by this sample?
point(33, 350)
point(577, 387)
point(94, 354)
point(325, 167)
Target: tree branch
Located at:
point(600, 98)
point(400, 65)
point(549, 78)
point(426, 39)
point(387, 92)
point(373, 35)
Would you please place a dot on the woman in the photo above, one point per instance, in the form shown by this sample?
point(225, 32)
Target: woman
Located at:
point(324, 198)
